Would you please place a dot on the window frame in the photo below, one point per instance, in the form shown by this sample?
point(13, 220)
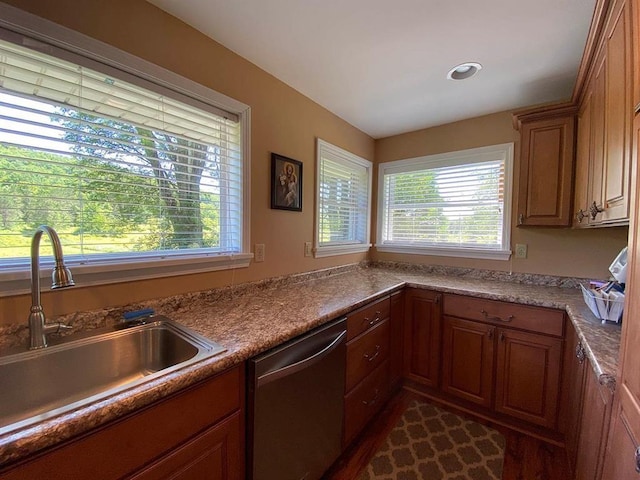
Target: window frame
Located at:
point(492, 152)
point(341, 248)
point(56, 40)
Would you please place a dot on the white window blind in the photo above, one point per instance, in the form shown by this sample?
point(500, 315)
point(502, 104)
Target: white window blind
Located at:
point(118, 170)
point(344, 189)
point(457, 203)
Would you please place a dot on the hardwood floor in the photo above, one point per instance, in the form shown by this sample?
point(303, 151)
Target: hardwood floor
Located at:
point(526, 458)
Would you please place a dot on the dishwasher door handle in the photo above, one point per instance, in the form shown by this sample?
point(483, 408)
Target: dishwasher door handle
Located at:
point(302, 364)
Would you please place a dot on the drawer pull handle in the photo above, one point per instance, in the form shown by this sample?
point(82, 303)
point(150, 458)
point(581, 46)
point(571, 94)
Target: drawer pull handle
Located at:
point(490, 333)
point(371, 358)
point(496, 318)
point(374, 400)
point(580, 353)
point(372, 322)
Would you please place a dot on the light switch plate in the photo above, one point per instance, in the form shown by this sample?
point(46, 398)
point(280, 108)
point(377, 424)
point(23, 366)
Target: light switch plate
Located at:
point(259, 252)
point(307, 249)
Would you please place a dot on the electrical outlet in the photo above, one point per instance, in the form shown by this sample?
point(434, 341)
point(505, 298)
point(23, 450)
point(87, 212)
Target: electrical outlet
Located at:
point(307, 249)
point(259, 252)
point(521, 250)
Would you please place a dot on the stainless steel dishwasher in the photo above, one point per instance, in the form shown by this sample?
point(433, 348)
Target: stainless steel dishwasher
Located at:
point(295, 404)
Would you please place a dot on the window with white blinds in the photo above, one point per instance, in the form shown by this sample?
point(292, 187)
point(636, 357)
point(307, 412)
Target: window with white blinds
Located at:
point(454, 204)
point(343, 201)
point(119, 170)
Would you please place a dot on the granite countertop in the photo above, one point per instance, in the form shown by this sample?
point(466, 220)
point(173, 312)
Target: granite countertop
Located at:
point(252, 318)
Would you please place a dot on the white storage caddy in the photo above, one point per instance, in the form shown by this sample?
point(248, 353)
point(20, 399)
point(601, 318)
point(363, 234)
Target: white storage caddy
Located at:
point(605, 306)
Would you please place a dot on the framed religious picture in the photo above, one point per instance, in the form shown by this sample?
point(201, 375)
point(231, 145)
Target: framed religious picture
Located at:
point(286, 183)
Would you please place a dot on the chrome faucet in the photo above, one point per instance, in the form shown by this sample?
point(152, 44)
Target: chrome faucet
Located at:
point(60, 278)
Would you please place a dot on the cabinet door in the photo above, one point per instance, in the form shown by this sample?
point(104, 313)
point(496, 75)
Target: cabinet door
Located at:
point(621, 461)
point(635, 47)
point(422, 336)
point(596, 202)
point(212, 455)
point(618, 116)
point(396, 317)
point(573, 386)
point(583, 164)
point(467, 360)
point(596, 413)
point(528, 376)
point(546, 172)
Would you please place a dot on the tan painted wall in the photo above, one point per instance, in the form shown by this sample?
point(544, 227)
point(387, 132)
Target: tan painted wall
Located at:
point(283, 121)
point(565, 252)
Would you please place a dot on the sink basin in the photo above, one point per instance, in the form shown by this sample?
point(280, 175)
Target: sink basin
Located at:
point(40, 384)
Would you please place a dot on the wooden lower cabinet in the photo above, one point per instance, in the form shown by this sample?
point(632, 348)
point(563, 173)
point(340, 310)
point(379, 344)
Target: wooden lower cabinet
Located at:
point(371, 333)
point(215, 454)
point(525, 366)
point(467, 360)
point(200, 429)
point(574, 371)
point(528, 376)
point(364, 401)
point(422, 337)
point(504, 357)
point(622, 457)
point(396, 320)
point(594, 428)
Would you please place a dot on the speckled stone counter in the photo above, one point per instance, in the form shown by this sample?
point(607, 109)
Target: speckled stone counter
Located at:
point(250, 319)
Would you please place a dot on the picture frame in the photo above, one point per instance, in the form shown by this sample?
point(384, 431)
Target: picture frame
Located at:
point(286, 183)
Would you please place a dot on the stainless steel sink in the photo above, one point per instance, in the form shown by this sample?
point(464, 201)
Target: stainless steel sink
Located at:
point(40, 384)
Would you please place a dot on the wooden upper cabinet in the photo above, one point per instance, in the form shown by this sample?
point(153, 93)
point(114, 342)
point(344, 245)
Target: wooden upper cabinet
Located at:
point(618, 117)
point(546, 170)
point(604, 128)
point(583, 163)
point(635, 44)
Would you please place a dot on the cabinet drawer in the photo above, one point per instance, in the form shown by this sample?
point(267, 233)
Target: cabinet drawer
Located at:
point(366, 317)
point(364, 401)
point(366, 352)
point(535, 319)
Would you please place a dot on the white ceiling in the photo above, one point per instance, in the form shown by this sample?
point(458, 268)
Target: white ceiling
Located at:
point(381, 65)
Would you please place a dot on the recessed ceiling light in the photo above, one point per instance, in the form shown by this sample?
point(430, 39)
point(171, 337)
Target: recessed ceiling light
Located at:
point(463, 71)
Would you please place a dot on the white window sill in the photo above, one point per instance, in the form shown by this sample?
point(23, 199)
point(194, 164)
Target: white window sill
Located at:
point(482, 253)
point(17, 280)
point(332, 250)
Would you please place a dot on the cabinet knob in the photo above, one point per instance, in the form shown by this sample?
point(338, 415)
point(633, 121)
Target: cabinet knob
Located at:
point(490, 333)
point(637, 456)
point(594, 210)
point(502, 336)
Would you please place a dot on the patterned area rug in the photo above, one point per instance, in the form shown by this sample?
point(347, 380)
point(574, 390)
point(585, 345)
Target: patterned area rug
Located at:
point(431, 444)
